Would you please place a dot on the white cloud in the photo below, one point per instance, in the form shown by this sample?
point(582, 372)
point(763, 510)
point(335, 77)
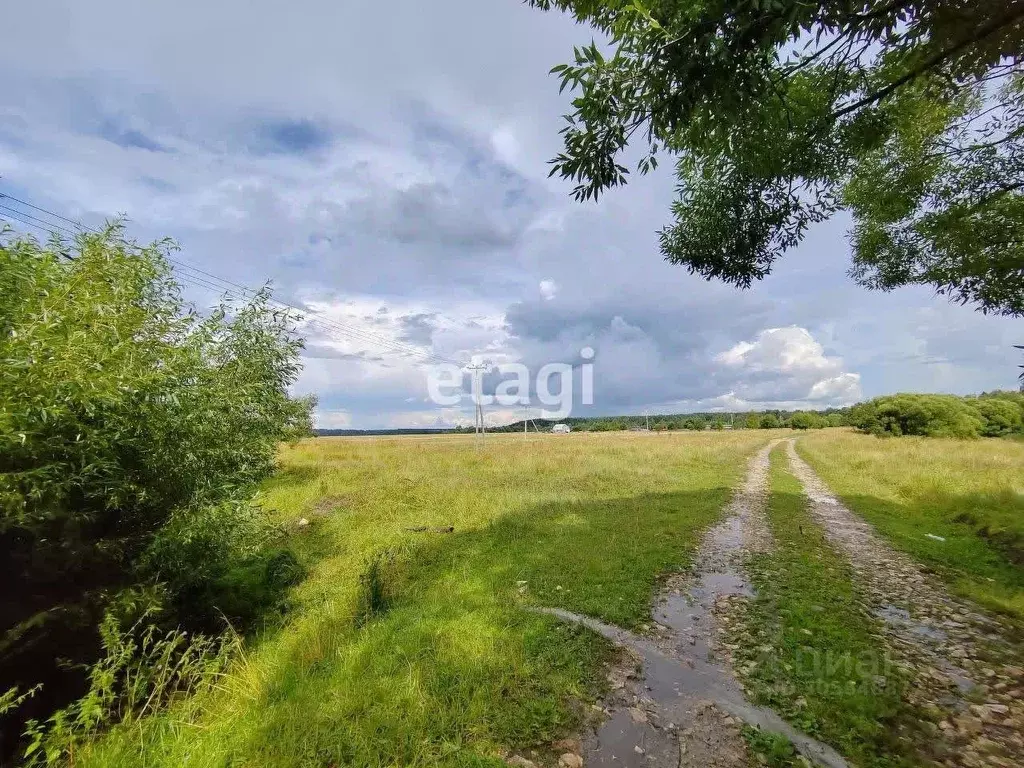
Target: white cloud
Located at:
point(332, 419)
point(735, 355)
point(787, 367)
point(843, 389)
point(446, 418)
point(505, 145)
point(783, 350)
point(548, 289)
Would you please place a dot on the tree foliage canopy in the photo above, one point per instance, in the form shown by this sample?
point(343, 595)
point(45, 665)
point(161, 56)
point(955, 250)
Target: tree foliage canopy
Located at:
point(994, 414)
point(778, 113)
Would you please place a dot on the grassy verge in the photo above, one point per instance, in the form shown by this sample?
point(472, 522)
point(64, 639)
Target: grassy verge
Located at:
point(413, 648)
point(969, 493)
point(807, 647)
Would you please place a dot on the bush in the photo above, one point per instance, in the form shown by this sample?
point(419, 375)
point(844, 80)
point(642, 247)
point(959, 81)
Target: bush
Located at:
point(750, 421)
point(837, 419)
point(132, 432)
point(991, 415)
point(140, 670)
point(1001, 412)
point(806, 420)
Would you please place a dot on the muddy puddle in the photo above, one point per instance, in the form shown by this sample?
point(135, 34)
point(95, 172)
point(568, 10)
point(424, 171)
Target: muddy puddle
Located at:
point(684, 707)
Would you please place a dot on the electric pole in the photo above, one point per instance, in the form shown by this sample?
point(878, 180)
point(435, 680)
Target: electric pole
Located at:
point(479, 428)
point(527, 420)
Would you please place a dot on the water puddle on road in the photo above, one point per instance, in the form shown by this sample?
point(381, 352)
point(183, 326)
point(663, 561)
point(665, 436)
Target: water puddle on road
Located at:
point(685, 707)
point(899, 617)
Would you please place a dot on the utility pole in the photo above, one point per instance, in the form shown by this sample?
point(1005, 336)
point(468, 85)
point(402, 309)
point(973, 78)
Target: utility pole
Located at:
point(479, 428)
point(647, 421)
point(527, 420)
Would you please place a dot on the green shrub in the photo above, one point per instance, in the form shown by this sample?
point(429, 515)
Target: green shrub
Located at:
point(132, 432)
point(139, 670)
point(837, 419)
point(999, 416)
point(991, 415)
point(806, 420)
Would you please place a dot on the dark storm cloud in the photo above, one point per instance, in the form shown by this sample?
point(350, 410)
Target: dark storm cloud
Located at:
point(130, 138)
point(435, 214)
point(659, 351)
point(296, 137)
point(680, 324)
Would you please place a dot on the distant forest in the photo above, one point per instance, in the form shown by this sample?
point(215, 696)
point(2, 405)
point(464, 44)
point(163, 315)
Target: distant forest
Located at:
point(990, 414)
point(833, 417)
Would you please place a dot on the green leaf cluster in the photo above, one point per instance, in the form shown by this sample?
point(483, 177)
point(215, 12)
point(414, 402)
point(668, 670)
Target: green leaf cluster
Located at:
point(779, 113)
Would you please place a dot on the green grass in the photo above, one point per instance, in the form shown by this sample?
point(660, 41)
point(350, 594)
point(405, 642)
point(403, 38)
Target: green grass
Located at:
point(808, 649)
point(769, 749)
point(414, 648)
point(968, 492)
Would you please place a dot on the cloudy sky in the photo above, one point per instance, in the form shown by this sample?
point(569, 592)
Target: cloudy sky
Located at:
point(385, 166)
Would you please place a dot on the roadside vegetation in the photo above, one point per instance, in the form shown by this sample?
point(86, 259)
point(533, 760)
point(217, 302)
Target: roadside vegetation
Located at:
point(807, 648)
point(955, 505)
point(133, 434)
point(412, 646)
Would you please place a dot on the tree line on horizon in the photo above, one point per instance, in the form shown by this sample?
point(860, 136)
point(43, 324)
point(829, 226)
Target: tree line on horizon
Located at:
point(990, 414)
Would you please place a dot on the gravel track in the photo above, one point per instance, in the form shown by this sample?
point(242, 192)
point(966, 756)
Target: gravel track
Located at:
point(965, 666)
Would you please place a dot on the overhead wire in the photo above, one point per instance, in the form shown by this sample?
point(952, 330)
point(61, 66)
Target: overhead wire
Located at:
point(197, 276)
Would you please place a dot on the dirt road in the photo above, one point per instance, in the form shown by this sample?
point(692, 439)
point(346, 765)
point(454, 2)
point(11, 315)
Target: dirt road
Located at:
point(677, 702)
point(963, 664)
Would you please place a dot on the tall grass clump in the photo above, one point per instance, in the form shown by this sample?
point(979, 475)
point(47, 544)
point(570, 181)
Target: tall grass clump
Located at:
point(372, 597)
point(141, 669)
point(133, 431)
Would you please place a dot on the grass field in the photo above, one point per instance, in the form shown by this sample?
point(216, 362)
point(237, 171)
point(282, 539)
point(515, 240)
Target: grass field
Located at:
point(969, 493)
point(413, 648)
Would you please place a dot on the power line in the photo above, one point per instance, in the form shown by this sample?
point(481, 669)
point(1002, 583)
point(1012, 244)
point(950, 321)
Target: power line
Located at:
point(46, 225)
point(210, 281)
point(43, 210)
point(225, 285)
point(18, 217)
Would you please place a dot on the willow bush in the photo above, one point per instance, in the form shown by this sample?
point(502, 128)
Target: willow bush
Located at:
point(132, 432)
